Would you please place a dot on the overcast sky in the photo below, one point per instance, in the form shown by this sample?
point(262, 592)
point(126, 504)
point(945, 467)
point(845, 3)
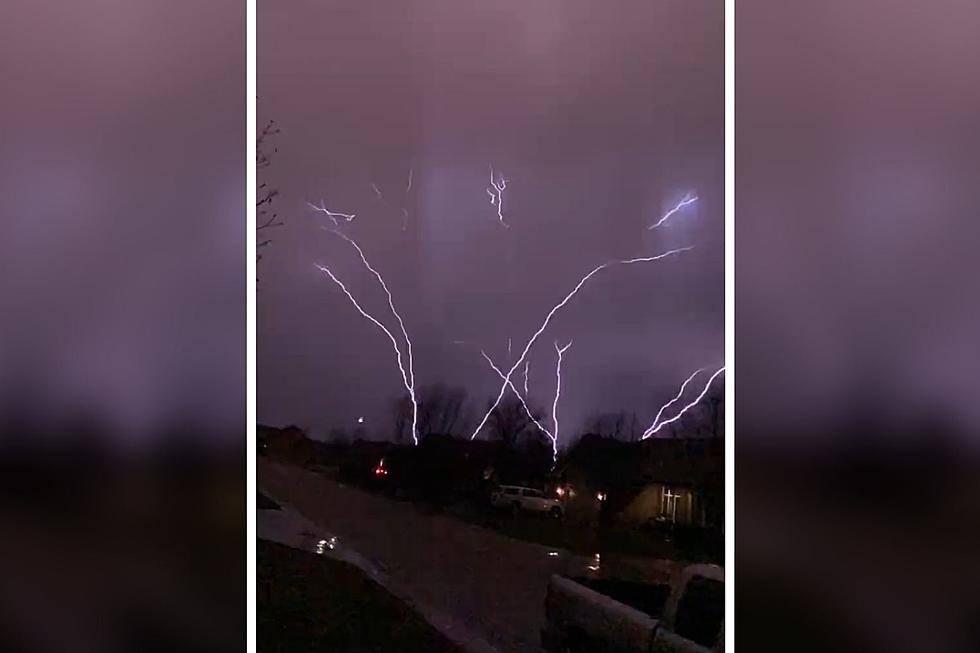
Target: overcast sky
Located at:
point(600, 120)
point(123, 192)
point(857, 205)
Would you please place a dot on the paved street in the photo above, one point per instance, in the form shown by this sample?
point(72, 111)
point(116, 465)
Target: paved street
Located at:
point(491, 586)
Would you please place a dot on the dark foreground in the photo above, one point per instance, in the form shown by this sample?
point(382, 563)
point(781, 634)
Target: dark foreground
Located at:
point(308, 602)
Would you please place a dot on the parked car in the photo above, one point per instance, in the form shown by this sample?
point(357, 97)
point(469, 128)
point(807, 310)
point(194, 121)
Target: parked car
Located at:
point(516, 498)
point(590, 614)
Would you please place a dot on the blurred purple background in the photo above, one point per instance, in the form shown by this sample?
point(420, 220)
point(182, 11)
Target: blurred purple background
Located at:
point(857, 318)
point(122, 354)
point(856, 170)
point(123, 186)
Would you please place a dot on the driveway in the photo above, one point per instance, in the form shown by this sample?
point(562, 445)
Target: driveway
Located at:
point(468, 577)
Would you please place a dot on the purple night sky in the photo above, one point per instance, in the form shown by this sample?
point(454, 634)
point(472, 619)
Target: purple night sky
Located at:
point(856, 227)
point(601, 121)
point(123, 192)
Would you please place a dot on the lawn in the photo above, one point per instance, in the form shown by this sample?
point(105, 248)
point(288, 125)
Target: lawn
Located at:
point(308, 602)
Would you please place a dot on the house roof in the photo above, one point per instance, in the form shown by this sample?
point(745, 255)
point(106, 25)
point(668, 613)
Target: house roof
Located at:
point(675, 461)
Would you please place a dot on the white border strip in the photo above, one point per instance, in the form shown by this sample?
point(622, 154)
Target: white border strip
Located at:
point(250, 496)
point(730, 325)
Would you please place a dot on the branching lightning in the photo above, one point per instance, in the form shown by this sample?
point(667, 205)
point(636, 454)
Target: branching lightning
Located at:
point(551, 314)
point(688, 199)
point(333, 215)
point(656, 427)
point(496, 193)
point(408, 375)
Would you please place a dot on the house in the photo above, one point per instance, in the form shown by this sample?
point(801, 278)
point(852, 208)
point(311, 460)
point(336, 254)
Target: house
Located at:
point(677, 481)
point(680, 481)
point(288, 444)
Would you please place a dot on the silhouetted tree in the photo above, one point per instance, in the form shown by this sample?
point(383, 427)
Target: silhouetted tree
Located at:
point(613, 425)
point(338, 436)
point(715, 400)
point(509, 421)
point(265, 218)
point(401, 411)
point(441, 411)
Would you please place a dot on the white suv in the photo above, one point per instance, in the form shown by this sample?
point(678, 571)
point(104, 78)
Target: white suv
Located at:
point(517, 498)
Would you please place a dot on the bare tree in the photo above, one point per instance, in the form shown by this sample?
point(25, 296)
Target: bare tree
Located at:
point(265, 217)
point(338, 436)
point(509, 422)
point(402, 413)
point(441, 411)
point(612, 425)
point(716, 410)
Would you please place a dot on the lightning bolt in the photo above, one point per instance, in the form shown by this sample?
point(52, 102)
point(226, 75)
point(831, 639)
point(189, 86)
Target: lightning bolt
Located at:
point(680, 394)
point(496, 193)
point(368, 316)
point(408, 376)
point(509, 384)
point(333, 215)
point(555, 309)
point(554, 407)
point(527, 365)
point(377, 192)
point(688, 199)
point(408, 188)
point(656, 427)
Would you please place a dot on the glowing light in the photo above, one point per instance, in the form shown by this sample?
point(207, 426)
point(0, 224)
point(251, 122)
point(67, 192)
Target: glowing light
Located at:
point(320, 545)
point(553, 554)
point(656, 427)
point(598, 563)
point(333, 215)
point(496, 193)
point(688, 199)
point(601, 496)
point(551, 314)
point(560, 491)
point(360, 420)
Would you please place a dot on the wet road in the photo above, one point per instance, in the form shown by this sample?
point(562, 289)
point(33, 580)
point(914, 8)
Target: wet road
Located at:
point(491, 586)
